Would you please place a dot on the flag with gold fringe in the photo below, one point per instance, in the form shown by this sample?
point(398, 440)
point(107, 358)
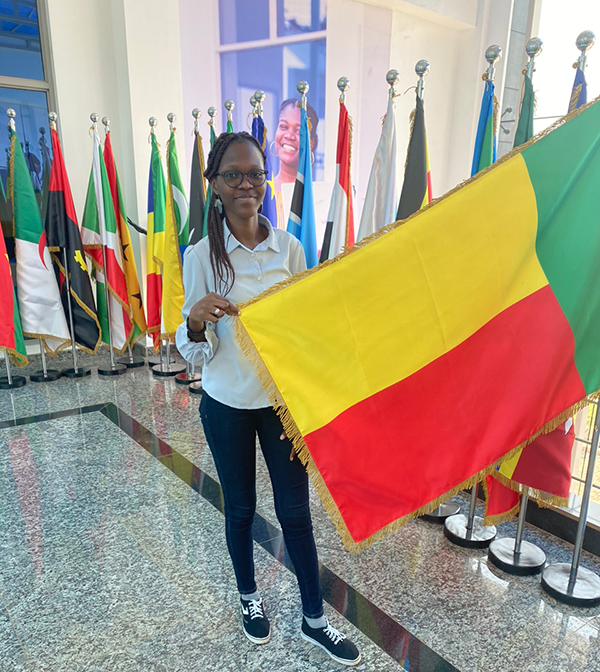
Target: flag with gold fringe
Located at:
point(478, 317)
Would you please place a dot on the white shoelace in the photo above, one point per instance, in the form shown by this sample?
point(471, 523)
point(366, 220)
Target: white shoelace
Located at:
point(334, 635)
point(255, 608)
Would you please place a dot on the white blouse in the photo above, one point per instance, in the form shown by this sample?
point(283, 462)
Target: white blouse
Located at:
point(226, 374)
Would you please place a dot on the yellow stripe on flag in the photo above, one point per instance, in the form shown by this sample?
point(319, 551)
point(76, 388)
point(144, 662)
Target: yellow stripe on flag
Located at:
point(172, 292)
point(471, 257)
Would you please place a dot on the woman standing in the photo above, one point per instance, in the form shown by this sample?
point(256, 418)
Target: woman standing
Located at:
point(242, 256)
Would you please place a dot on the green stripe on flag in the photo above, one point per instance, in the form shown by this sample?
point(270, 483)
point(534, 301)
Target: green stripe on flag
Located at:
point(26, 211)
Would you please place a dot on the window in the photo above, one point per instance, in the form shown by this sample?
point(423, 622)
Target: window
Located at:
point(272, 45)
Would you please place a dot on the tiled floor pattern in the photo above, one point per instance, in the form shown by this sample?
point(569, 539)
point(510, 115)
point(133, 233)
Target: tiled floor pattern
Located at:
point(110, 560)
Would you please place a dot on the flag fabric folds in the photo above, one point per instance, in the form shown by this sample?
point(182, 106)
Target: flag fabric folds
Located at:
point(579, 92)
point(485, 140)
point(99, 230)
point(63, 235)
point(497, 326)
point(416, 190)
point(339, 232)
point(197, 192)
point(379, 208)
point(134, 293)
point(269, 204)
point(11, 336)
point(157, 195)
point(213, 138)
point(176, 241)
point(40, 306)
point(301, 222)
point(524, 130)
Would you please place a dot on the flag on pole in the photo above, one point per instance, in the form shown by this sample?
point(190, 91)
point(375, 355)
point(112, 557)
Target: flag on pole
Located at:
point(269, 204)
point(63, 235)
point(524, 130)
point(485, 140)
point(99, 230)
point(156, 222)
point(197, 192)
point(416, 190)
point(40, 306)
point(301, 222)
point(46, 169)
point(11, 336)
point(176, 241)
point(579, 92)
point(213, 138)
point(229, 124)
point(134, 293)
point(339, 232)
point(5, 211)
point(381, 198)
point(498, 327)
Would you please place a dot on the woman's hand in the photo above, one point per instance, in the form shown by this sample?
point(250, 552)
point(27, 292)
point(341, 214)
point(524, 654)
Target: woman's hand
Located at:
point(210, 309)
point(283, 437)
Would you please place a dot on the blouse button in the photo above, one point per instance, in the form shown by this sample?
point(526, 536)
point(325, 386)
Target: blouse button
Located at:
point(258, 277)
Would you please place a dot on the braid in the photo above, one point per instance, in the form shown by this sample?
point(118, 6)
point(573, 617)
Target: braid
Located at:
point(223, 271)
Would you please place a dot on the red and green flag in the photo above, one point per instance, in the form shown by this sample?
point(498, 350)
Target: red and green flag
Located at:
point(478, 317)
point(11, 336)
point(99, 230)
point(40, 305)
point(134, 293)
point(155, 237)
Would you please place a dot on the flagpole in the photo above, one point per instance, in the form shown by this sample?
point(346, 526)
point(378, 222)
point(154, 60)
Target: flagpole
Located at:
point(422, 69)
point(10, 382)
point(469, 531)
point(585, 41)
point(571, 583)
point(45, 375)
point(114, 369)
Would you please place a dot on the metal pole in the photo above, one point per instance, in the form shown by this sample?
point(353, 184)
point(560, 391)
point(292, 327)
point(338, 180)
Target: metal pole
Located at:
point(108, 310)
point(472, 506)
point(422, 69)
point(585, 41)
point(43, 354)
point(8, 374)
point(492, 55)
point(521, 522)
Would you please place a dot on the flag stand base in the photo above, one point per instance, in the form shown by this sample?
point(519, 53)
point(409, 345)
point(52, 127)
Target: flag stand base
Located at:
point(115, 370)
point(17, 381)
point(479, 536)
point(153, 359)
point(530, 560)
point(439, 514)
point(133, 363)
point(165, 371)
point(196, 388)
point(82, 372)
point(585, 592)
point(48, 377)
point(187, 378)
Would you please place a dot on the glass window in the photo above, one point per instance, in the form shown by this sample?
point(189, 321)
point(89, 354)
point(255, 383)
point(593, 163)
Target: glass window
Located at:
point(243, 21)
point(301, 16)
point(20, 52)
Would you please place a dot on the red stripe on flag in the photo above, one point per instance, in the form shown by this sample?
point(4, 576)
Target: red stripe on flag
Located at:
point(474, 399)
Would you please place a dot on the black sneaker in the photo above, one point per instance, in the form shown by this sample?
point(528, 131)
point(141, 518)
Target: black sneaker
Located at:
point(342, 650)
point(256, 625)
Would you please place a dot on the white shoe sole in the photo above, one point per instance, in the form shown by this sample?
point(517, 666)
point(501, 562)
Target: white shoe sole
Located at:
point(256, 640)
point(342, 661)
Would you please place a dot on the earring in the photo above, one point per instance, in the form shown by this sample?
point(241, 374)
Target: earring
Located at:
point(219, 205)
point(273, 152)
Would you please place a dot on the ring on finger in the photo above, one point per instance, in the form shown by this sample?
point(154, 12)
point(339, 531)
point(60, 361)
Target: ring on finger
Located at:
point(216, 312)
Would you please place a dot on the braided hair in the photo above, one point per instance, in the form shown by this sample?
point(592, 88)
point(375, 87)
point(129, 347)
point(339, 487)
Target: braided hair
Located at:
point(223, 271)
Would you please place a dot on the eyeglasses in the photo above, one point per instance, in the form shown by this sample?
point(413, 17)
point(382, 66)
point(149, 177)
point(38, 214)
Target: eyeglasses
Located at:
point(234, 178)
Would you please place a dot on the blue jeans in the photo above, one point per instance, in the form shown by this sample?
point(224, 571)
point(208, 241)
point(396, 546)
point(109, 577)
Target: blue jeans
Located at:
point(231, 435)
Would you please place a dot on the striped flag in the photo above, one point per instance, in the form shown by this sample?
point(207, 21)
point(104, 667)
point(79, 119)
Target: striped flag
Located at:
point(485, 140)
point(379, 208)
point(498, 324)
point(269, 204)
point(99, 230)
point(213, 138)
point(301, 222)
point(416, 190)
point(11, 336)
point(524, 130)
point(157, 195)
point(176, 241)
point(134, 293)
point(64, 238)
point(579, 92)
point(40, 306)
point(339, 232)
point(197, 192)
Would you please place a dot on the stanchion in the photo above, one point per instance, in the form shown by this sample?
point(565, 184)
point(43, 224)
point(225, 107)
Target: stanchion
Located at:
point(188, 376)
point(469, 531)
point(131, 361)
point(166, 368)
point(45, 375)
point(571, 583)
point(75, 371)
point(196, 388)
point(440, 513)
point(10, 382)
point(517, 556)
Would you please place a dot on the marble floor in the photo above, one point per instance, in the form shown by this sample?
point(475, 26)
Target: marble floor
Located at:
point(113, 558)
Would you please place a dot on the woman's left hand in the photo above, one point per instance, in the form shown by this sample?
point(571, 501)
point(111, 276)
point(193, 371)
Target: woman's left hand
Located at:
point(283, 437)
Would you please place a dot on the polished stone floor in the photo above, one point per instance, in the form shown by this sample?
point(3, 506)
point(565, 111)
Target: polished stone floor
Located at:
point(113, 558)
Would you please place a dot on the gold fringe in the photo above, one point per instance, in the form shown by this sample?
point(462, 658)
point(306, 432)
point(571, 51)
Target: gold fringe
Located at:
point(411, 124)
point(498, 518)
point(349, 195)
point(495, 115)
point(574, 98)
point(291, 429)
point(16, 358)
point(64, 342)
